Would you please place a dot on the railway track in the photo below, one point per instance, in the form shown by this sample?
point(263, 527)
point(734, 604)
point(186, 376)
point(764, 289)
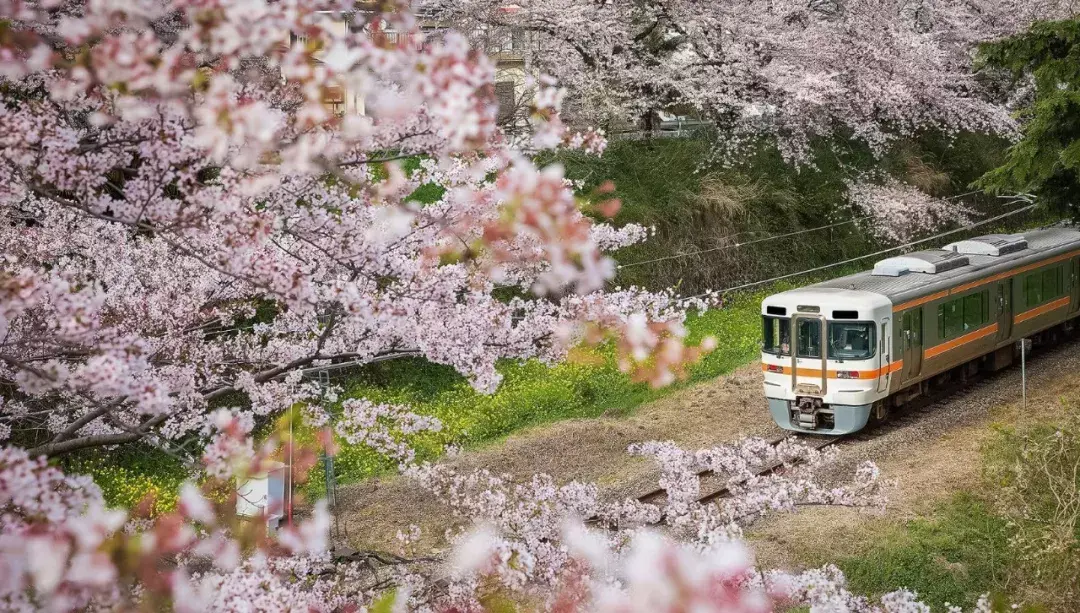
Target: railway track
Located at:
point(657, 496)
point(660, 493)
point(900, 417)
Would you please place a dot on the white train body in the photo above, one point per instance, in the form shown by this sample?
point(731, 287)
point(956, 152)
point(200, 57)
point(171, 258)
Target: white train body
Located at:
point(837, 381)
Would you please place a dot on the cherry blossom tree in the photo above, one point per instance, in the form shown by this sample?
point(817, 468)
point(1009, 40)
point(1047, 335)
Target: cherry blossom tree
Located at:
point(186, 228)
point(787, 69)
point(898, 212)
point(61, 550)
point(180, 226)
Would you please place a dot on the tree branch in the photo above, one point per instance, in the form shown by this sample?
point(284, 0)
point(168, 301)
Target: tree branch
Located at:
point(98, 440)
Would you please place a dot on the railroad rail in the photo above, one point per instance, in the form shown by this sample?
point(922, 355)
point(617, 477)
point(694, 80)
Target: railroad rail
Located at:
point(900, 417)
point(657, 495)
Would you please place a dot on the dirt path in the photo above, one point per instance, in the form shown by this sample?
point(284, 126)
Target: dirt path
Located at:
point(931, 456)
point(594, 450)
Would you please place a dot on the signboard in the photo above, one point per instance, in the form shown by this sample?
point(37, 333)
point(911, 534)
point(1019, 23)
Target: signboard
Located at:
point(333, 95)
point(263, 495)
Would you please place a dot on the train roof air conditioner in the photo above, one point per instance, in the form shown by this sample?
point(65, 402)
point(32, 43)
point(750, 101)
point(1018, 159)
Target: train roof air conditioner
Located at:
point(928, 262)
point(991, 244)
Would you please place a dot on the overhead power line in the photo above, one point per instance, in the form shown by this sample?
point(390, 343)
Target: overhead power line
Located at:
point(869, 255)
point(763, 239)
point(735, 245)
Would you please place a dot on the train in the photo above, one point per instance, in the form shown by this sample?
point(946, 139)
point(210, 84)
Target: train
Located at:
point(843, 353)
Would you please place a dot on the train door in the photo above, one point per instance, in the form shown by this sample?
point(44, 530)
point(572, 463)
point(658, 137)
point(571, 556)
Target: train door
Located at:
point(883, 355)
point(1004, 309)
point(911, 337)
point(1075, 278)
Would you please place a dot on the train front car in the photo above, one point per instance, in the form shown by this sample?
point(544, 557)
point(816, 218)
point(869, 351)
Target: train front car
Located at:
point(826, 358)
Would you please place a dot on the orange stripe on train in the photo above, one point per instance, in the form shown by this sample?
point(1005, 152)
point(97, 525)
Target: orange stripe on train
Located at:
point(834, 374)
point(1042, 310)
point(963, 340)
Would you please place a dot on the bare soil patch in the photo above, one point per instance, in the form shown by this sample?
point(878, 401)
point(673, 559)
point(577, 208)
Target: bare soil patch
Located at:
point(724, 409)
point(924, 474)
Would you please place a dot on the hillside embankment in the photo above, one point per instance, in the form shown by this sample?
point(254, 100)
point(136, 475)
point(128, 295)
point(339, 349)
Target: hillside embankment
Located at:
point(714, 219)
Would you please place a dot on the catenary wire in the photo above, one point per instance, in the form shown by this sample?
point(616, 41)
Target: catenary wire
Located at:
point(863, 257)
point(763, 239)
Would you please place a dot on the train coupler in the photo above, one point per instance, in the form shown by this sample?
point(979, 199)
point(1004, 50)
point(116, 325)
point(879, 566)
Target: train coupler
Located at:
point(806, 413)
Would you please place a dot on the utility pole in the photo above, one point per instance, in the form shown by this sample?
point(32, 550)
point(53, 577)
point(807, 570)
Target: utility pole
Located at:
point(1025, 344)
point(328, 459)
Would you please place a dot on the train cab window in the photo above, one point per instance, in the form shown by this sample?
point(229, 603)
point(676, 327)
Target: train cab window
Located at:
point(777, 335)
point(851, 340)
point(808, 336)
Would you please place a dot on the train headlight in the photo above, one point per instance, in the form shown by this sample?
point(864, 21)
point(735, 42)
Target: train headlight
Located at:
point(847, 374)
point(774, 368)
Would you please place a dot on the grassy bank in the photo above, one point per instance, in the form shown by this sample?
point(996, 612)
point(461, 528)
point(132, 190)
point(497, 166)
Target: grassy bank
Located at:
point(1015, 535)
point(588, 385)
point(954, 555)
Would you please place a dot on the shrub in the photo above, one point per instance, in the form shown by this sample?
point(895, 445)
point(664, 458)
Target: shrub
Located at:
point(1036, 470)
point(128, 476)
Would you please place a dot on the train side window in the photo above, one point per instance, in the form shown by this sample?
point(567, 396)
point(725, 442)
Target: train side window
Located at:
point(952, 318)
point(973, 311)
point(912, 325)
point(1033, 290)
point(1051, 283)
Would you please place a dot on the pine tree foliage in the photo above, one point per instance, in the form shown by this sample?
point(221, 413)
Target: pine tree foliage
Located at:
point(1045, 63)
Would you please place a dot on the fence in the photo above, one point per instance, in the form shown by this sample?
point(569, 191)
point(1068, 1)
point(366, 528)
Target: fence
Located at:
point(676, 128)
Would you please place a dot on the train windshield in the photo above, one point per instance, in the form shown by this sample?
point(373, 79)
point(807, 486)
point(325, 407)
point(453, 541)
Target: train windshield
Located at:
point(777, 335)
point(847, 340)
point(808, 333)
point(851, 340)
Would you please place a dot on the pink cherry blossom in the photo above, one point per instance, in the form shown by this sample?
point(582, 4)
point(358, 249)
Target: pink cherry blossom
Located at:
point(190, 233)
point(898, 212)
point(789, 70)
